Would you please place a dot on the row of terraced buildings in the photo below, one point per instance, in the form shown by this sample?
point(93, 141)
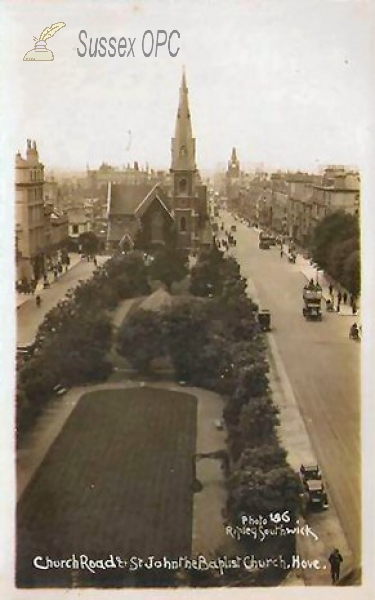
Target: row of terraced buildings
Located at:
point(288, 203)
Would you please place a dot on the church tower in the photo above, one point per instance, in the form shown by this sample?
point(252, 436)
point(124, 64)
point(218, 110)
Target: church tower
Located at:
point(233, 177)
point(185, 182)
point(233, 165)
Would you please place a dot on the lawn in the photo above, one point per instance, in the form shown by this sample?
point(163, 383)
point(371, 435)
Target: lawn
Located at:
point(117, 480)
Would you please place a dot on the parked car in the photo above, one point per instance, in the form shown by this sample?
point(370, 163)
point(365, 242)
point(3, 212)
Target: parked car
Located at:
point(264, 320)
point(312, 481)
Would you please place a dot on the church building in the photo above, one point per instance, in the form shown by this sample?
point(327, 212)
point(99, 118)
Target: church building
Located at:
point(148, 215)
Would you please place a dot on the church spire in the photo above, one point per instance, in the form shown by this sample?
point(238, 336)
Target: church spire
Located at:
point(183, 143)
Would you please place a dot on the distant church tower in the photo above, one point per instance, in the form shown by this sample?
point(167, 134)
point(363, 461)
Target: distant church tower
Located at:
point(233, 165)
point(233, 177)
point(185, 181)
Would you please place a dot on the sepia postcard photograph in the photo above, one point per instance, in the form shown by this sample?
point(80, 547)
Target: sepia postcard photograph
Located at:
point(187, 273)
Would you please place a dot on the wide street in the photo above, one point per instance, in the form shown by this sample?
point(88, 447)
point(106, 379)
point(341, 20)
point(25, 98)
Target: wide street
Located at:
point(29, 316)
point(323, 367)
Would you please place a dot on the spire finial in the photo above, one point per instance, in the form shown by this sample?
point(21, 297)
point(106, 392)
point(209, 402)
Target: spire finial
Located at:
point(183, 85)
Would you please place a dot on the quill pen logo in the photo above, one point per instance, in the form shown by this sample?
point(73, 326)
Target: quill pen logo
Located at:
point(40, 51)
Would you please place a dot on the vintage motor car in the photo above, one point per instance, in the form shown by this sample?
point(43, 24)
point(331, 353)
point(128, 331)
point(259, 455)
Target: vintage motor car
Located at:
point(311, 478)
point(264, 320)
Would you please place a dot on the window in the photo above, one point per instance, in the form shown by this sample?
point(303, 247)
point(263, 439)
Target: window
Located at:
point(183, 224)
point(182, 185)
point(74, 228)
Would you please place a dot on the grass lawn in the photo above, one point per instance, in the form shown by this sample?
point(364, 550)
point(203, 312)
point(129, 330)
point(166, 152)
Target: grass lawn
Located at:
point(117, 480)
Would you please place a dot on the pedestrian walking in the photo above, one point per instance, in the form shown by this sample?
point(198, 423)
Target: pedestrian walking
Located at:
point(339, 297)
point(330, 287)
point(354, 307)
point(281, 252)
point(351, 299)
point(344, 297)
point(335, 559)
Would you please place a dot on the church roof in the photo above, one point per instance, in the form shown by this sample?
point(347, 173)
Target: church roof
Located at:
point(128, 199)
point(158, 193)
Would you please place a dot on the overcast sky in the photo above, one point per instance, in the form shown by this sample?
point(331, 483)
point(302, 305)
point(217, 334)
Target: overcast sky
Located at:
point(285, 81)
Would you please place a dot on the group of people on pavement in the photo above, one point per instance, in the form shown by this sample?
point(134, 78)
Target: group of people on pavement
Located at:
point(342, 297)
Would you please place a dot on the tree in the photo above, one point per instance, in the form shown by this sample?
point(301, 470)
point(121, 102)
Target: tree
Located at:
point(351, 277)
point(338, 256)
point(265, 457)
point(37, 378)
point(89, 242)
point(335, 228)
point(186, 335)
point(258, 492)
point(169, 265)
point(141, 339)
point(205, 279)
point(256, 425)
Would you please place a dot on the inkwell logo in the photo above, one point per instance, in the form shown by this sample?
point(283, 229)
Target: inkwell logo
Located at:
point(40, 51)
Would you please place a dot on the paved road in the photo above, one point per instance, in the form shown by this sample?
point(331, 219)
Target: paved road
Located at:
point(29, 316)
point(323, 366)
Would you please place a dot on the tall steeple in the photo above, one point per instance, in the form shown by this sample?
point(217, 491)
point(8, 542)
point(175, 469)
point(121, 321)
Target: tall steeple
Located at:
point(183, 143)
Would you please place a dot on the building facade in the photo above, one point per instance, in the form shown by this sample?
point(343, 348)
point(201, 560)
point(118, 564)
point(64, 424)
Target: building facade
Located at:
point(30, 214)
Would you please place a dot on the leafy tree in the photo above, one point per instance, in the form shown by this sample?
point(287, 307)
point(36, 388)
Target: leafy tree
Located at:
point(256, 425)
point(87, 363)
point(89, 242)
point(37, 379)
point(338, 256)
point(169, 265)
point(334, 229)
point(351, 277)
point(186, 335)
point(206, 277)
point(141, 339)
point(212, 362)
point(257, 492)
point(265, 457)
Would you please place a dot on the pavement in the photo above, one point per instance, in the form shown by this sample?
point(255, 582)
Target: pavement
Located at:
point(21, 298)
point(30, 316)
point(315, 382)
point(310, 272)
